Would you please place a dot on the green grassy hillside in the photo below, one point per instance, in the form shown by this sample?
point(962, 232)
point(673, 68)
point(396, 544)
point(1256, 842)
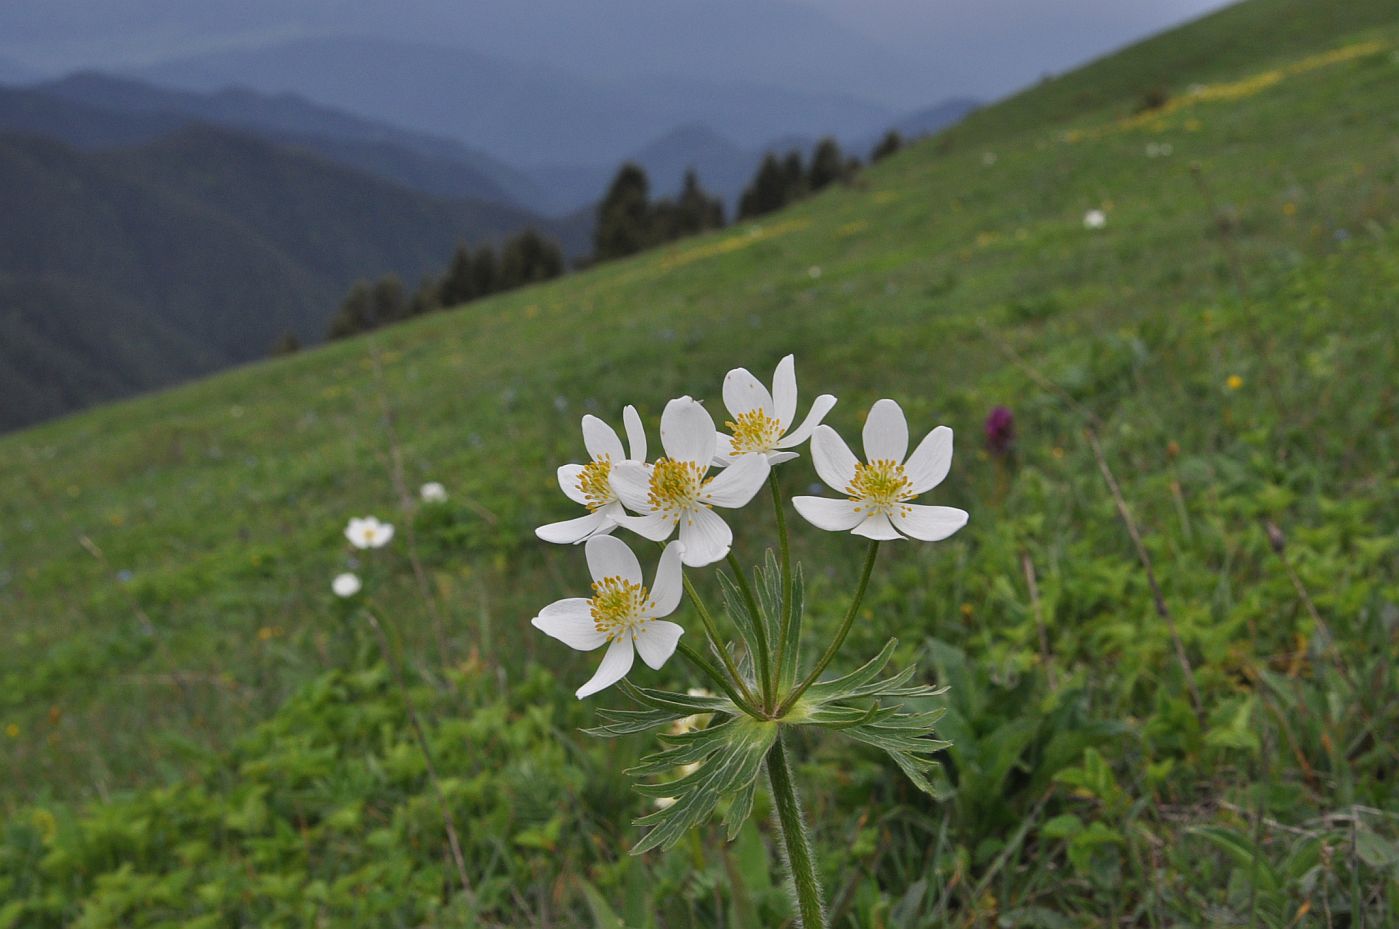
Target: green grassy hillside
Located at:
point(196, 729)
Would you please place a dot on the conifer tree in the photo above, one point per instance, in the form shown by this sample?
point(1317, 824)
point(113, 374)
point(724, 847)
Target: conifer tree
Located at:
point(485, 274)
point(697, 211)
point(794, 184)
point(827, 164)
point(388, 303)
point(459, 283)
point(354, 315)
point(766, 192)
point(887, 146)
point(623, 225)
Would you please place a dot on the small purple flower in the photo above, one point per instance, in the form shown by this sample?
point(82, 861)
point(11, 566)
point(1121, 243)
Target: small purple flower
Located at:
point(1000, 430)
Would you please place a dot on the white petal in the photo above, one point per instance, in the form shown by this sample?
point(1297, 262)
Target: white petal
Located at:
point(383, 536)
point(568, 483)
point(687, 431)
point(929, 523)
point(776, 458)
point(611, 557)
point(601, 439)
point(818, 412)
point(784, 392)
point(723, 450)
point(829, 514)
point(669, 584)
point(930, 461)
point(744, 392)
point(834, 461)
point(656, 526)
point(656, 641)
point(706, 538)
point(636, 434)
point(616, 662)
point(575, 530)
point(878, 527)
point(736, 484)
point(886, 433)
point(631, 482)
point(571, 622)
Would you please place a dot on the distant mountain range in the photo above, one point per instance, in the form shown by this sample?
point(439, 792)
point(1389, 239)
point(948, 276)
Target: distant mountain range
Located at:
point(524, 114)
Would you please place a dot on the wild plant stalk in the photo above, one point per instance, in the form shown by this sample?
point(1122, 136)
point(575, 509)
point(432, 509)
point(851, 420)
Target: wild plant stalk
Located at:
point(405, 502)
point(1158, 599)
point(1046, 659)
point(448, 821)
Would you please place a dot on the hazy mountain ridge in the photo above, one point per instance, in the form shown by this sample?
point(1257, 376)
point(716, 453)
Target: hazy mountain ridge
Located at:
point(525, 114)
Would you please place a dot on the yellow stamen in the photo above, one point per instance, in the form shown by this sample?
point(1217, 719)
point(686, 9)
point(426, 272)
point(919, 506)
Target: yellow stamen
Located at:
point(676, 486)
point(593, 483)
point(880, 487)
point(620, 606)
point(754, 431)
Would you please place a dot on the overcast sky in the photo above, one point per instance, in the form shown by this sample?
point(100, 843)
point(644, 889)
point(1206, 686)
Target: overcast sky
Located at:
point(1012, 42)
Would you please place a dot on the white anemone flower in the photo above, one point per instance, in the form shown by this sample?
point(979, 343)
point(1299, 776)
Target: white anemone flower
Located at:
point(591, 484)
point(1095, 219)
point(346, 585)
point(368, 533)
point(622, 613)
point(879, 489)
point(675, 491)
point(433, 492)
point(762, 421)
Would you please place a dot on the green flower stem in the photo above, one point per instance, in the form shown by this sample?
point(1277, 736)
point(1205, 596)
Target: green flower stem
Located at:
point(839, 640)
point(717, 678)
point(784, 552)
point(718, 643)
point(801, 865)
point(760, 627)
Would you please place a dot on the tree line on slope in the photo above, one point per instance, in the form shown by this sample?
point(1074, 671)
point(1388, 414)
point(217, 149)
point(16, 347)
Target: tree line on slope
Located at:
point(628, 222)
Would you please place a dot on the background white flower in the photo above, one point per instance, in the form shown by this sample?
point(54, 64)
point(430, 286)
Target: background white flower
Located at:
point(591, 484)
point(346, 585)
point(622, 613)
point(368, 532)
point(762, 421)
point(433, 492)
point(1095, 219)
point(675, 491)
point(878, 491)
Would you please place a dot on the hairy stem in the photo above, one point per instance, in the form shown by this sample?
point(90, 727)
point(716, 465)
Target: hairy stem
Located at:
point(764, 658)
point(839, 640)
point(801, 866)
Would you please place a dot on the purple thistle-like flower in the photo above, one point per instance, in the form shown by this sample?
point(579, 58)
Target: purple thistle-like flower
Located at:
point(1000, 430)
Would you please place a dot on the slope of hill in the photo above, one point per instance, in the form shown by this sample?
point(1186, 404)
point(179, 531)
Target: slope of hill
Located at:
point(198, 730)
point(205, 239)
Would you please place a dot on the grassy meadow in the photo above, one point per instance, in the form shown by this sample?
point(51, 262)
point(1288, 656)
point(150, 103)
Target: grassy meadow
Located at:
point(194, 731)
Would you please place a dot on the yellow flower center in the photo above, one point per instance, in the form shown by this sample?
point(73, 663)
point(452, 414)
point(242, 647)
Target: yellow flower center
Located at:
point(754, 431)
point(620, 606)
point(880, 485)
point(676, 485)
point(368, 534)
point(593, 483)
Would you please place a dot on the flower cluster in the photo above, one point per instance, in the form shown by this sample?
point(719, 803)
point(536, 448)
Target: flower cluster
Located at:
point(703, 469)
